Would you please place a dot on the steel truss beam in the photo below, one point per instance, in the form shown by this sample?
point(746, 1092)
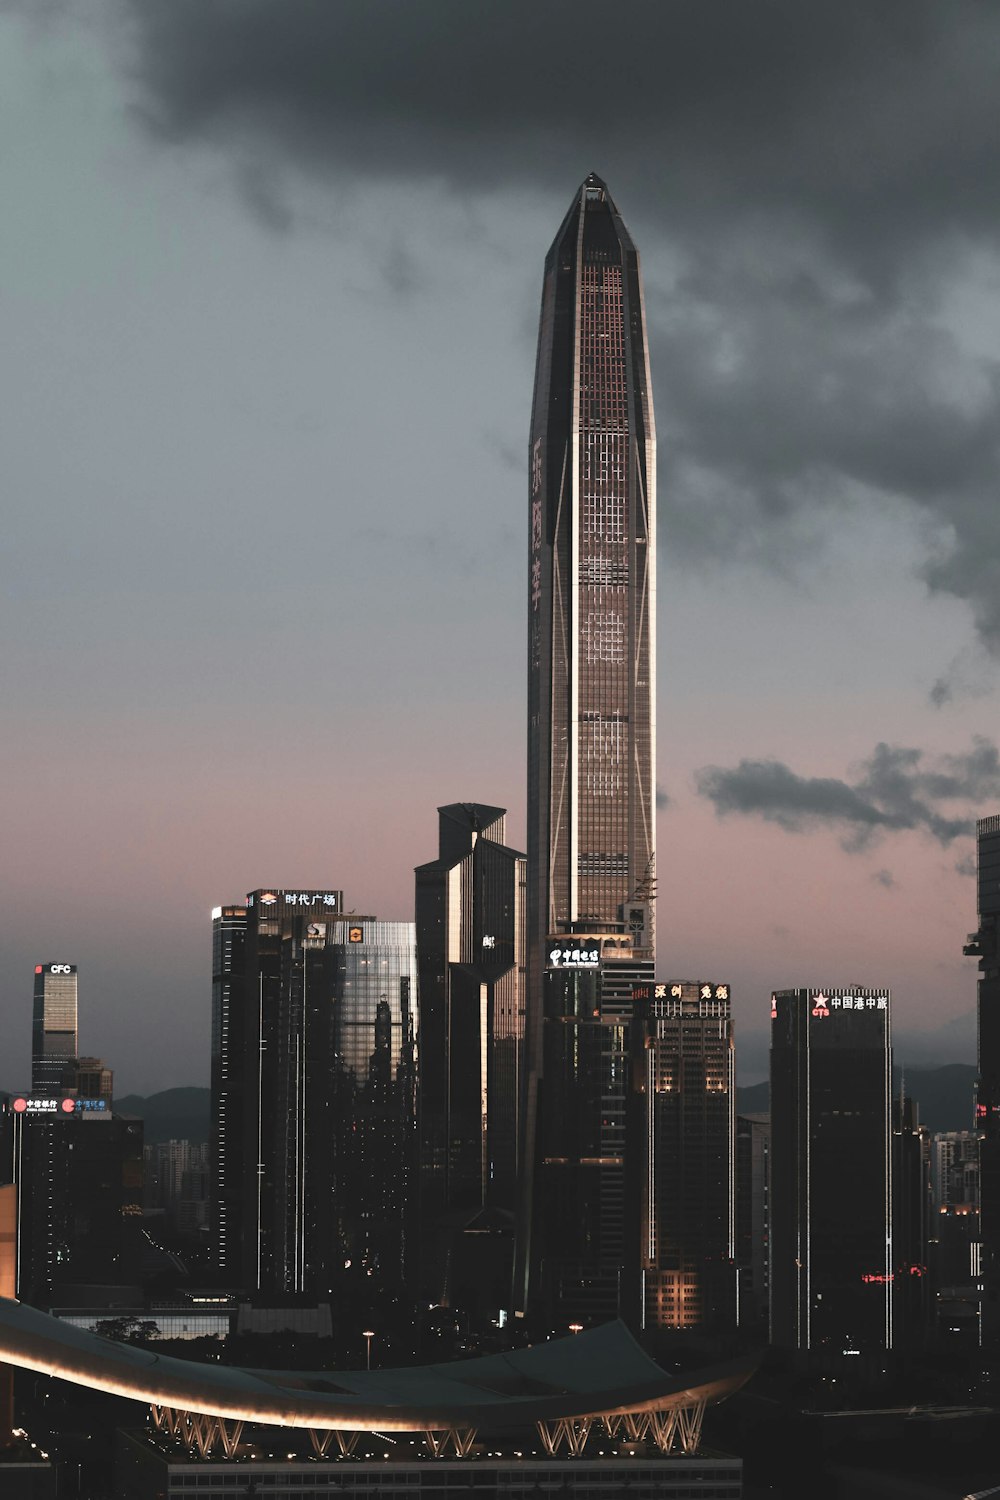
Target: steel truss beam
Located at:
point(198, 1429)
point(671, 1428)
point(460, 1439)
point(321, 1438)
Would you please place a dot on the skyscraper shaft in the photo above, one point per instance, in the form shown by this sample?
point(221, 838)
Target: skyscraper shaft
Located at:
point(591, 766)
point(592, 585)
point(53, 1026)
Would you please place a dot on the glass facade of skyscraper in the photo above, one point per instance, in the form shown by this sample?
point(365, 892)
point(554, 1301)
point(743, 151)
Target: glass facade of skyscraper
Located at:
point(53, 1026)
point(689, 1094)
point(591, 757)
point(984, 944)
point(471, 956)
point(832, 1256)
point(314, 1091)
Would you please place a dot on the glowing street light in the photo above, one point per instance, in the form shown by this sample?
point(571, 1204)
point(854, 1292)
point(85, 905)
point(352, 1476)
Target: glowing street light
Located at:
point(368, 1334)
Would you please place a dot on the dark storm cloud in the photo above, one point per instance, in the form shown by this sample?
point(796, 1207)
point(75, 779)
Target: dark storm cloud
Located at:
point(897, 789)
point(872, 119)
point(885, 878)
point(814, 172)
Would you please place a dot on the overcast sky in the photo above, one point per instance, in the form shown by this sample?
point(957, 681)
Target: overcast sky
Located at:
point(269, 297)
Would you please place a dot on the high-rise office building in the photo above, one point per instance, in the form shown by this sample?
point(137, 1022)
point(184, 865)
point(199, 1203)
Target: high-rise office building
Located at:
point(471, 967)
point(592, 588)
point(318, 1017)
point(77, 1168)
point(831, 1231)
point(591, 657)
point(984, 944)
point(689, 1093)
point(955, 1168)
point(53, 1027)
point(580, 1240)
point(231, 1014)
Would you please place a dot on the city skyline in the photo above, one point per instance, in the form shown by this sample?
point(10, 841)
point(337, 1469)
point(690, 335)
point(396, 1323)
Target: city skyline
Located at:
point(210, 509)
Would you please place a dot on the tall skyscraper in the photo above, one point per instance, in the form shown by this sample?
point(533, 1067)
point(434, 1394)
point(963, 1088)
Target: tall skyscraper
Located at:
point(689, 1094)
point(471, 965)
point(314, 1110)
point(984, 944)
point(230, 1016)
point(591, 717)
point(53, 1027)
point(591, 588)
point(832, 1257)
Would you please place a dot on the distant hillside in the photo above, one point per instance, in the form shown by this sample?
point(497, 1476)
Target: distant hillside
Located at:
point(945, 1095)
point(173, 1114)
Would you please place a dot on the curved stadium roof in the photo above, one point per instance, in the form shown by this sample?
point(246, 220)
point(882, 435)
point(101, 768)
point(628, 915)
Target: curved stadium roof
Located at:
point(597, 1373)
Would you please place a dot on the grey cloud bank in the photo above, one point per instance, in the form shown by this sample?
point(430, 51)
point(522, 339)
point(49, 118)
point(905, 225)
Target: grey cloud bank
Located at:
point(817, 176)
point(897, 790)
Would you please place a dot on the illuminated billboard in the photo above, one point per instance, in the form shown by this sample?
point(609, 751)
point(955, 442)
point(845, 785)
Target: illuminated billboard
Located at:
point(828, 1004)
point(572, 955)
point(30, 1104)
point(329, 901)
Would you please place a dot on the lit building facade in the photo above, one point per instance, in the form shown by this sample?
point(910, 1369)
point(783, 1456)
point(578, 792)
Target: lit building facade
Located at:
point(592, 589)
point(314, 1111)
point(689, 1093)
point(831, 1215)
point(231, 1014)
point(471, 963)
point(375, 1019)
point(53, 1026)
point(591, 647)
point(984, 944)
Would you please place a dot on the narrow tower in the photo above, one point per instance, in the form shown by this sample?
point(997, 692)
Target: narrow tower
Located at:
point(53, 1027)
point(591, 762)
point(984, 945)
point(591, 588)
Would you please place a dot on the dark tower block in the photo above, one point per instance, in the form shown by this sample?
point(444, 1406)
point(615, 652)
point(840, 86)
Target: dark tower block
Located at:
point(984, 945)
point(314, 1092)
point(471, 965)
point(230, 1017)
point(832, 1253)
point(689, 1097)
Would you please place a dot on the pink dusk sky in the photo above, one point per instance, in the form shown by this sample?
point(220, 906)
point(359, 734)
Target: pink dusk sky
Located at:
point(271, 281)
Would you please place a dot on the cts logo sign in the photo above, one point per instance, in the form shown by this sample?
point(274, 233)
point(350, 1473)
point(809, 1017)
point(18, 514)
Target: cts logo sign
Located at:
point(60, 968)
